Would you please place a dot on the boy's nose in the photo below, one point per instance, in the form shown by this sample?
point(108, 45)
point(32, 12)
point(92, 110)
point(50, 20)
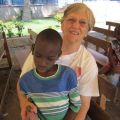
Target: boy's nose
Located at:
point(43, 62)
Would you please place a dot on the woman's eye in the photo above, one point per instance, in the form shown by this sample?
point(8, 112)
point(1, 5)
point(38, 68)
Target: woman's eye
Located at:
point(71, 20)
point(83, 22)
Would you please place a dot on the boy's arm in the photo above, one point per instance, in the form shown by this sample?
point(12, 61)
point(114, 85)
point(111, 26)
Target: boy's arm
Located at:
point(24, 103)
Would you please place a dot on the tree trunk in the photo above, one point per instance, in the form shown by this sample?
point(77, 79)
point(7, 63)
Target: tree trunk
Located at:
point(26, 11)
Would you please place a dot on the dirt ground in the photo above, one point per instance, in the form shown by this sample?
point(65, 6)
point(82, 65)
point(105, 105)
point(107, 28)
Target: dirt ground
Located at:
point(11, 109)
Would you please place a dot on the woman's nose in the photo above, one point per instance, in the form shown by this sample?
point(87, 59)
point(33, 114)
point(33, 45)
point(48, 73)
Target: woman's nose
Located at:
point(76, 24)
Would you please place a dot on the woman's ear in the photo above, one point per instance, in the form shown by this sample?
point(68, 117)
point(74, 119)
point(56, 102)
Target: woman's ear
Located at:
point(32, 48)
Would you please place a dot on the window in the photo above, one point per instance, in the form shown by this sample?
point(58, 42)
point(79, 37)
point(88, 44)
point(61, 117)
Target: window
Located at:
point(11, 2)
point(17, 2)
point(43, 1)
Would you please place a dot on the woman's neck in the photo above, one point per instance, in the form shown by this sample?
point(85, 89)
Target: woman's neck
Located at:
point(69, 48)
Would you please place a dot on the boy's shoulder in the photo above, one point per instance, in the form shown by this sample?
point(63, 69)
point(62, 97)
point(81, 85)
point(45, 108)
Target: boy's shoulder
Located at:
point(27, 74)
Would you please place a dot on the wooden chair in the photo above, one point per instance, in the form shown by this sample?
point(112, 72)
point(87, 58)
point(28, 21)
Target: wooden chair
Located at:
point(4, 51)
point(95, 112)
point(105, 33)
point(111, 24)
point(107, 90)
point(99, 43)
point(100, 57)
point(98, 107)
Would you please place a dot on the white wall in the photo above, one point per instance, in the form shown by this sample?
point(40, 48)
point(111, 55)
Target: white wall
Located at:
point(105, 10)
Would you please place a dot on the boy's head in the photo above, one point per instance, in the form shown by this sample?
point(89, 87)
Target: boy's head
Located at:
point(117, 32)
point(47, 49)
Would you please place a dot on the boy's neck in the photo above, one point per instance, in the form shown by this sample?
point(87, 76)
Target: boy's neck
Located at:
point(50, 72)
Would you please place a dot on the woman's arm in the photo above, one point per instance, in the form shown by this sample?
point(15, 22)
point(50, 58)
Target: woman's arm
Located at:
point(85, 104)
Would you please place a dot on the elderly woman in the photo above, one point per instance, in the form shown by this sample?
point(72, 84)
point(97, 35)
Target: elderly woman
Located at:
point(77, 21)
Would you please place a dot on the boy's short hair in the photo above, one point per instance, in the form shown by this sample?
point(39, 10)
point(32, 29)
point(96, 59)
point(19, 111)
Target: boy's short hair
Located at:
point(49, 35)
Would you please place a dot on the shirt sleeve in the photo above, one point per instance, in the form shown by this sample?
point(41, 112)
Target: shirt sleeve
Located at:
point(88, 81)
point(22, 86)
point(74, 94)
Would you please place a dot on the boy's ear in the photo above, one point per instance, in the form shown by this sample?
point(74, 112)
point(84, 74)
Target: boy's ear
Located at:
point(32, 48)
point(60, 53)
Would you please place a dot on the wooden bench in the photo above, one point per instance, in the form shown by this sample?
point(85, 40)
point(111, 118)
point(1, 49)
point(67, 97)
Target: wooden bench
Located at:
point(111, 24)
point(21, 55)
point(100, 57)
point(4, 51)
point(24, 51)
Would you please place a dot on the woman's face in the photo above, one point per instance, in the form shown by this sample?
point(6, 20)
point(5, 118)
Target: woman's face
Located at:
point(75, 27)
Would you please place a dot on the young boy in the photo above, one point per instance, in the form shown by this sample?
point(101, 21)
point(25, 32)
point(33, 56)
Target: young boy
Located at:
point(51, 87)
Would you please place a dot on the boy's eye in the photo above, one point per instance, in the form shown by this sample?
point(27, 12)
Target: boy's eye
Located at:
point(51, 58)
point(37, 55)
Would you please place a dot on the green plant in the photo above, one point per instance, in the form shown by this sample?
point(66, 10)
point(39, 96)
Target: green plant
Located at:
point(58, 17)
point(9, 27)
point(20, 27)
point(2, 26)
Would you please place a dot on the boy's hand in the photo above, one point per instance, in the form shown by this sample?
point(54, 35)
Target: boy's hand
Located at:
point(24, 109)
point(31, 115)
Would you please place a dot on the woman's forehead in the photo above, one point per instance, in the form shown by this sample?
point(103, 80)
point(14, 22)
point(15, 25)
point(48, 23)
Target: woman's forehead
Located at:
point(79, 14)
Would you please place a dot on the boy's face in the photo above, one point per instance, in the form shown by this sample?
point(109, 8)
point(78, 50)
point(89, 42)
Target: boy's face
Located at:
point(45, 55)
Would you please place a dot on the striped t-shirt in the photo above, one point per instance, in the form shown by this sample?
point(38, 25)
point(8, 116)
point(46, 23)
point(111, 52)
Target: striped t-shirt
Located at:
point(52, 95)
